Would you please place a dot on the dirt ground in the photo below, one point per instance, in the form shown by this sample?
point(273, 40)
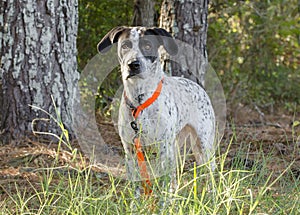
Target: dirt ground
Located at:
point(250, 130)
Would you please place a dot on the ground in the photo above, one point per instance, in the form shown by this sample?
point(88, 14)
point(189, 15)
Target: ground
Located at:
point(251, 130)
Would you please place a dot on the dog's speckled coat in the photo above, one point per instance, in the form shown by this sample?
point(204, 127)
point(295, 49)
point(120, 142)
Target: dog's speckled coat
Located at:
point(182, 108)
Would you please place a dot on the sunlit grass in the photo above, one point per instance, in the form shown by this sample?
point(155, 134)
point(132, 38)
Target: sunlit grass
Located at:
point(233, 188)
point(226, 191)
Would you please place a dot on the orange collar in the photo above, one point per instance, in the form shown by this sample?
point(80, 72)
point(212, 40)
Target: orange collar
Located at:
point(137, 110)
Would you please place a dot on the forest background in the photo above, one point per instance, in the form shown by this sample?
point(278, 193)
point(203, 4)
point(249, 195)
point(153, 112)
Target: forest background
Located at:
point(253, 46)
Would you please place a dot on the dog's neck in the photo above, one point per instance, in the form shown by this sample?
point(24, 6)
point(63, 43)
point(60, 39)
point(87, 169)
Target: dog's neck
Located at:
point(139, 90)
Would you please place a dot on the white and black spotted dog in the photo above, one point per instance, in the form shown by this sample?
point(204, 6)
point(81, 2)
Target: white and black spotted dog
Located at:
point(158, 110)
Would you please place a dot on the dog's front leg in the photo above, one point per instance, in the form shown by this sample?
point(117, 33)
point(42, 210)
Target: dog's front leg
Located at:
point(132, 168)
point(135, 183)
point(168, 166)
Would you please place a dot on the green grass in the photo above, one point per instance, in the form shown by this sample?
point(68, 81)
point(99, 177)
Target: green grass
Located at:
point(231, 189)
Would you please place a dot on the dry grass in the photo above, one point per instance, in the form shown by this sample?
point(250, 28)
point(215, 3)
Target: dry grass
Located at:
point(258, 172)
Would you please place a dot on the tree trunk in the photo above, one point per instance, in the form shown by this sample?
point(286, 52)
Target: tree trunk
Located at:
point(187, 21)
point(38, 61)
point(143, 13)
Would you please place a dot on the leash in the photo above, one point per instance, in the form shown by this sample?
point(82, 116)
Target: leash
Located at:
point(137, 143)
point(142, 165)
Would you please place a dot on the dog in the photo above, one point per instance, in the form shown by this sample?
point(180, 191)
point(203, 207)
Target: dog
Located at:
point(157, 111)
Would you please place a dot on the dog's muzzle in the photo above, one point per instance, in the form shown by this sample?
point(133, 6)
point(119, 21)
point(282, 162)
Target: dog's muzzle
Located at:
point(134, 68)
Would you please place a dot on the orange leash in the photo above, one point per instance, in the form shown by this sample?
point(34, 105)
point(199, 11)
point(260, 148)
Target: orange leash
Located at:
point(143, 167)
point(138, 147)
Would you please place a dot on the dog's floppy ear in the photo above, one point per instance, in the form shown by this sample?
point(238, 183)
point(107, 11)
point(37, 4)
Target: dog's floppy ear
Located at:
point(166, 39)
point(111, 37)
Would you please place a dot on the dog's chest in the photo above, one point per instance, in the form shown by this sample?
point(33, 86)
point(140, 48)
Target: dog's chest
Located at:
point(157, 123)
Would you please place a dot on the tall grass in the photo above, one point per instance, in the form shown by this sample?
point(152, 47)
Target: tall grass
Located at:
point(232, 188)
point(228, 190)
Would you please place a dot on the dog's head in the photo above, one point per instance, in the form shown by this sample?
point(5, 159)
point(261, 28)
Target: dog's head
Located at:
point(138, 48)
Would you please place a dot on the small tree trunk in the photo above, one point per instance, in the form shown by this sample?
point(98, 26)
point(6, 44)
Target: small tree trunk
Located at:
point(38, 60)
point(187, 21)
point(143, 13)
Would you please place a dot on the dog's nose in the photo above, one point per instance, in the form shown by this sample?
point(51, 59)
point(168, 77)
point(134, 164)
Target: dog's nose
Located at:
point(135, 66)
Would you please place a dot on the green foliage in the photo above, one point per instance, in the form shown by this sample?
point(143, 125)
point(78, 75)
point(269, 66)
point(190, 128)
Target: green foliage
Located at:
point(96, 18)
point(254, 47)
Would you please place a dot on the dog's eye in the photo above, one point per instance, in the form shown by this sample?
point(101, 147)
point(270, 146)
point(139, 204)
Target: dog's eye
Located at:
point(147, 46)
point(126, 45)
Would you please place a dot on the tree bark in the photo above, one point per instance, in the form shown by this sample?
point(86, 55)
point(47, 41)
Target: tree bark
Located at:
point(38, 62)
point(187, 21)
point(144, 13)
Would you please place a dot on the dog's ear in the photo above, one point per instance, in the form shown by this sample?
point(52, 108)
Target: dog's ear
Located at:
point(111, 37)
point(165, 39)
